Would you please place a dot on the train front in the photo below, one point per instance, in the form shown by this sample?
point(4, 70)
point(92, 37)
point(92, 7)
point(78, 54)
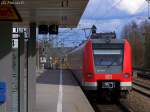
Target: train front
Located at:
point(109, 67)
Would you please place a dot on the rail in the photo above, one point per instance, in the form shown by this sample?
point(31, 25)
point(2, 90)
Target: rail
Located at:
point(141, 88)
point(142, 72)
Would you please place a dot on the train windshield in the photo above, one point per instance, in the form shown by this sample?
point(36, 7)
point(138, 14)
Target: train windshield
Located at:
point(109, 60)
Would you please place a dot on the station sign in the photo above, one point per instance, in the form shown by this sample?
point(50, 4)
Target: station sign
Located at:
point(8, 12)
point(15, 43)
point(53, 29)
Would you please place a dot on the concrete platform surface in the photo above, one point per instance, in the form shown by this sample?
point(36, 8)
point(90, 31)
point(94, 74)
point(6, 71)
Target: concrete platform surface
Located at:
point(57, 91)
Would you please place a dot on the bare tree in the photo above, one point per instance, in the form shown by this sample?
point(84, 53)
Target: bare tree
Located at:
point(132, 33)
point(125, 31)
point(145, 28)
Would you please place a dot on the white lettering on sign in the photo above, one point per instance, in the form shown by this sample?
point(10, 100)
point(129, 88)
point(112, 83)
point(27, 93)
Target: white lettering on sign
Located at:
point(8, 12)
point(14, 2)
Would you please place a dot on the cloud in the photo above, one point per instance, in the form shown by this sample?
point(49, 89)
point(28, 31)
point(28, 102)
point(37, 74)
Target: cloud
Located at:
point(104, 25)
point(114, 9)
point(109, 25)
point(131, 6)
point(112, 15)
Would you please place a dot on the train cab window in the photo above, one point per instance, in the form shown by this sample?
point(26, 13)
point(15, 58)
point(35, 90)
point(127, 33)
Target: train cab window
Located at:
point(108, 60)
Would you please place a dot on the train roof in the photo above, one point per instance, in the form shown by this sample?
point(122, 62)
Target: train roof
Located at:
point(107, 37)
point(110, 35)
point(101, 41)
point(112, 41)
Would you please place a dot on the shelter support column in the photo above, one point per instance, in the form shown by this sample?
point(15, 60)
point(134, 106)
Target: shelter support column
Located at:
point(21, 91)
point(32, 69)
point(6, 63)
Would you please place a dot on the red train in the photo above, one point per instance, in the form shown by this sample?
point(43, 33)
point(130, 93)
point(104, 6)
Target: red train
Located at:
point(103, 64)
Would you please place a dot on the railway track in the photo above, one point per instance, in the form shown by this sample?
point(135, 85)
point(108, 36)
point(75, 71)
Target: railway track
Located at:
point(121, 106)
point(143, 73)
point(107, 106)
point(141, 88)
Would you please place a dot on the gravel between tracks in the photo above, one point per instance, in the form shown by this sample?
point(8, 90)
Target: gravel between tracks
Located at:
point(135, 101)
point(138, 102)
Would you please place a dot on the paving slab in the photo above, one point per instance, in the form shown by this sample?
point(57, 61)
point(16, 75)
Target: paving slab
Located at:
point(58, 91)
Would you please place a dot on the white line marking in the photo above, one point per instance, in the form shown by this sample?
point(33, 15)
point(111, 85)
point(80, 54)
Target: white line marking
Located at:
point(59, 104)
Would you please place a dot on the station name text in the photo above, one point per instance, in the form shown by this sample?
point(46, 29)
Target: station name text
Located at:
point(13, 2)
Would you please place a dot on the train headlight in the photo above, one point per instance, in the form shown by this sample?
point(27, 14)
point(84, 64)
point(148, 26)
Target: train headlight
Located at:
point(89, 75)
point(126, 75)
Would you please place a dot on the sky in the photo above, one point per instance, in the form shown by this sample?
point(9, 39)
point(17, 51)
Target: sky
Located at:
point(107, 16)
point(108, 9)
point(112, 15)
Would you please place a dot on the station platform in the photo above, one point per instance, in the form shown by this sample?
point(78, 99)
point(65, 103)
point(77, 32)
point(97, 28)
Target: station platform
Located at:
point(58, 91)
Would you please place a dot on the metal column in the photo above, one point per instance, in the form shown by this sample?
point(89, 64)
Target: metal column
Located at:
point(6, 63)
point(31, 93)
point(21, 62)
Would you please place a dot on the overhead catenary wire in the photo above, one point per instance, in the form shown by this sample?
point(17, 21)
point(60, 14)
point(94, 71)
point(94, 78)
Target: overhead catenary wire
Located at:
point(69, 33)
point(119, 1)
point(105, 13)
